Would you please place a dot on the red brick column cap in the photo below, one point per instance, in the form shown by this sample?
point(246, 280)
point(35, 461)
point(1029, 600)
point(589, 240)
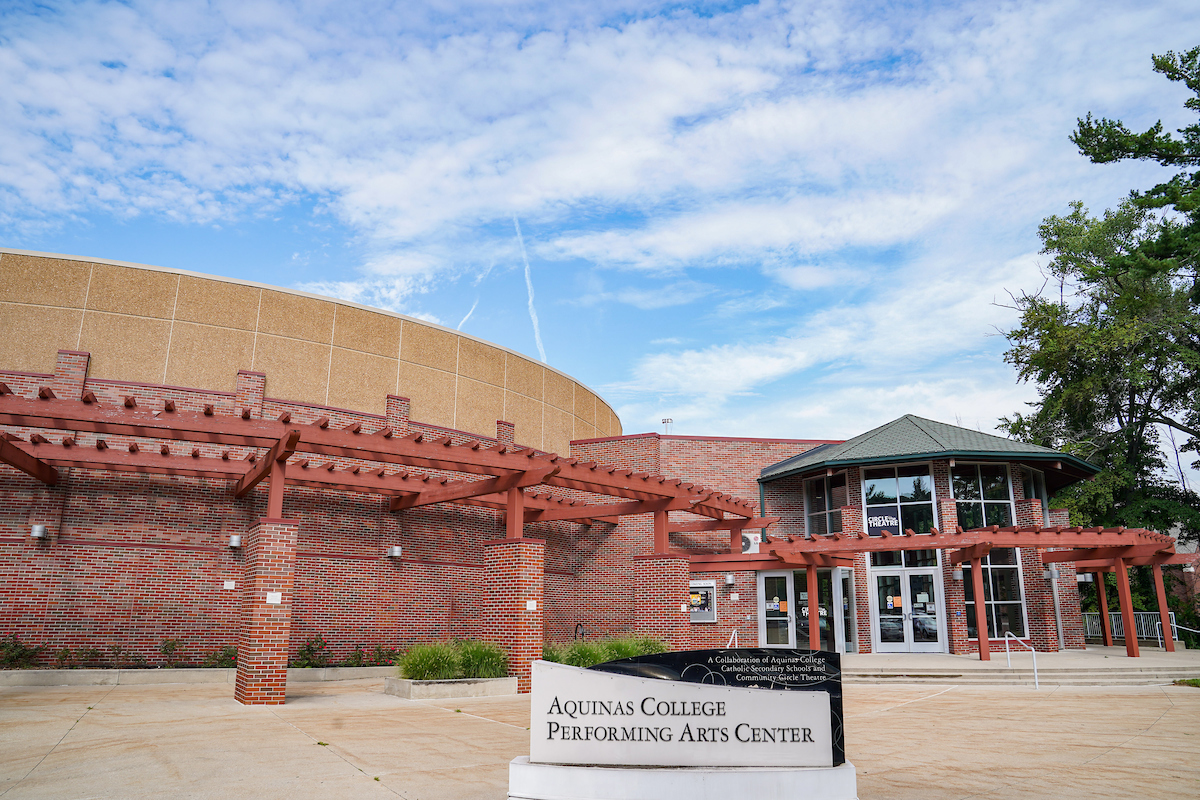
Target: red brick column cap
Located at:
point(251, 372)
point(514, 541)
point(270, 521)
point(75, 352)
point(398, 397)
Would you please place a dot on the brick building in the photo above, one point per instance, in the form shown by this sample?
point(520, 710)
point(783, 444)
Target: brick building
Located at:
point(174, 465)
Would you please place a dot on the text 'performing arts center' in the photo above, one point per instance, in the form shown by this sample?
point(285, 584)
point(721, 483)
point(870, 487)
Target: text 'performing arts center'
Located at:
point(224, 463)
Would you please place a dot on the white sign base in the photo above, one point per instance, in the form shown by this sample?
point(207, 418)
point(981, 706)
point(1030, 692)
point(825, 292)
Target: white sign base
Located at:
point(528, 781)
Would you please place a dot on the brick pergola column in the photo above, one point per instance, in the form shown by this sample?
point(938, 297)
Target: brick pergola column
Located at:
point(512, 614)
point(270, 557)
point(660, 586)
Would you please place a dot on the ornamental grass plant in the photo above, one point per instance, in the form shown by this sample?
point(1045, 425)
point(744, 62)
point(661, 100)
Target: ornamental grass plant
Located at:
point(583, 653)
point(443, 661)
point(482, 659)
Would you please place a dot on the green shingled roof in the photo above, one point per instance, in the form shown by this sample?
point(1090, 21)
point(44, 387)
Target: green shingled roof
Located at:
point(912, 438)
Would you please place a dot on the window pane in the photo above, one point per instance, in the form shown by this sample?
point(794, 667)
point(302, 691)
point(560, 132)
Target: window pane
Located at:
point(835, 522)
point(915, 486)
point(880, 486)
point(972, 631)
point(816, 525)
point(970, 515)
point(998, 514)
point(837, 491)
point(1009, 616)
point(995, 481)
point(816, 495)
point(1003, 556)
point(1005, 583)
point(777, 631)
point(968, 585)
point(885, 558)
point(918, 518)
point(965, 482)
point(920, 558)
point(991, 621)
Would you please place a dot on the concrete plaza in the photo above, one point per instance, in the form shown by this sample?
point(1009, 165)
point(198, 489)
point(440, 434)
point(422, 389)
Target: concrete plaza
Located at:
point(347, 739)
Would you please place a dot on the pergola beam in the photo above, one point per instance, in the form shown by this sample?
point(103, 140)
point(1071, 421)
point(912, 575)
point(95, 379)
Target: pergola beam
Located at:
point(27, 462)
point(598, 510)
point(968, 553)
point(728, 524)
point(460, 490)
point(280, 451)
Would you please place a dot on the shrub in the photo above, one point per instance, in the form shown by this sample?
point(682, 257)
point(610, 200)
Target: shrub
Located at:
point(431, 662)
point(65, 657)
point(584, 654)
point(482, 659)
point(356, 659)
point(90, 657)
point(313, 653)
point(15, 654)
point(383, 656)
point(225, 658)
point(169, 648)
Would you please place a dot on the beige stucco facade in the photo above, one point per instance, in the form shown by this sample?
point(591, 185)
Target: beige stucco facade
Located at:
point(159, 326)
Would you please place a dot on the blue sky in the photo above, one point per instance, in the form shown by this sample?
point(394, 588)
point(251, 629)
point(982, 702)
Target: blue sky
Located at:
point(774, 219)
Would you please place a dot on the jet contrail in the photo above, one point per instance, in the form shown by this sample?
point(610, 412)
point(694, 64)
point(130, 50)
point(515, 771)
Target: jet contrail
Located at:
point(537, 332)
point(468, 316)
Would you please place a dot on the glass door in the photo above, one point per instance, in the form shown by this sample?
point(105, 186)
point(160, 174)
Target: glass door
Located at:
point(776, 610)
point(844, 627)
point(889, 618)
point(922, 613)
point(907, 619)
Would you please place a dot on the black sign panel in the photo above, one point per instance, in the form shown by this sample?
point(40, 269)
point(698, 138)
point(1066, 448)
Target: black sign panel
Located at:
point(749, 668)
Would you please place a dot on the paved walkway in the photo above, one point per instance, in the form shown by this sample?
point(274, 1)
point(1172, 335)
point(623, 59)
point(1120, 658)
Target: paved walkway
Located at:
point(347, 739)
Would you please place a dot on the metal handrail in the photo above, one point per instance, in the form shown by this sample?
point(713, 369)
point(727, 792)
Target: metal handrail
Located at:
point(1174, 630)
point(733, 640)
point(1009, 635)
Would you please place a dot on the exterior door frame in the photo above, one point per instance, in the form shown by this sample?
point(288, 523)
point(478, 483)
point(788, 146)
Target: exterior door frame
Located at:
point(909, 646)
point(786, 574)
point(841, 644)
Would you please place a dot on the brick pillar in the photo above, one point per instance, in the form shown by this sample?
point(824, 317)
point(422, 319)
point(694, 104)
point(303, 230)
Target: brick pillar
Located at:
point(862, 597)
point(505, 432)
point(398, 409)
point(1060, 516)
point(513, 604)
point(956, 607)
point(1039, 600)
point(947, 515)
point(660, 586)
point(251, 386)
point(1068, 604)
point(270, 557)
point(70, 371)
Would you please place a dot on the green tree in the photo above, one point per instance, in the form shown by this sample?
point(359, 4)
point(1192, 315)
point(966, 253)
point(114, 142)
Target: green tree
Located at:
point(1112, 341)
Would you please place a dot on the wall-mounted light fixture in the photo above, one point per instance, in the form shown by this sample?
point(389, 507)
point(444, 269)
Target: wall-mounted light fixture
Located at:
point(957, 574)
point(729, 579)
point(1083, 577)
point(38, 531)
point(235, 541)
point(1051, 574)
point(395, 551)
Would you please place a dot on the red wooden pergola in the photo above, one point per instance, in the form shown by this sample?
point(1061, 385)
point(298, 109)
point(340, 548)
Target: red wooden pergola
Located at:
point(246, 451)
point(1096, 550)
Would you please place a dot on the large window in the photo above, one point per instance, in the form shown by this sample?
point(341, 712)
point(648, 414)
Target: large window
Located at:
point(982, 494)
point(1004, 608)
point(824, 498)
point(898, 499)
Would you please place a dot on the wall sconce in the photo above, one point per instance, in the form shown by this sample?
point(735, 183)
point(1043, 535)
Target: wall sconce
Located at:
point(957, 574)
point(730, 580)
point(1083, 577)
point(395, 551)
point(38, 531)
point(1189, 567)
point(235, 541)
point(1051, 574)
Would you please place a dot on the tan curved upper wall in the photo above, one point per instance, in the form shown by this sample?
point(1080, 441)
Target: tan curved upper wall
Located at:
point(155, 325)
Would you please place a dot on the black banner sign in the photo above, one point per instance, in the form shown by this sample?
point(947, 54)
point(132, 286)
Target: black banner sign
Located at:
point(749, 668)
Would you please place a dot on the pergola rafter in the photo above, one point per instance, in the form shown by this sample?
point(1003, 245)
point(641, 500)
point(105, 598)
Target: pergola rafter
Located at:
point(314, 455)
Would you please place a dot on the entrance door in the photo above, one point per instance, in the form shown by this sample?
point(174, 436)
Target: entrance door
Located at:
point(906, 618)
point(845, 629)
point(777, 610)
